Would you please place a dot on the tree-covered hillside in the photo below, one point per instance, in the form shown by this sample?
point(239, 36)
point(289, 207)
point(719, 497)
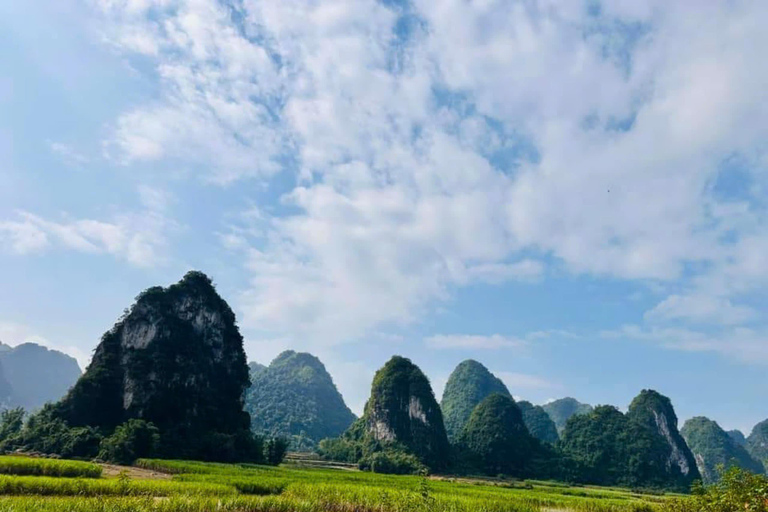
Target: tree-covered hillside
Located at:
point(563, 409)
point(757, 443)
point(539, 424)
point(496, 440)
point(712, 447)
point(295, 397)
point(401, 430)
point(169, 377)
point(738, 437)
point(468, 385)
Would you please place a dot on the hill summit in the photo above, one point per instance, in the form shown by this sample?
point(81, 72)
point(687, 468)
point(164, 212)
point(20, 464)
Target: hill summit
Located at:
point(469, 384)
point(295, 397)
point(175, 359)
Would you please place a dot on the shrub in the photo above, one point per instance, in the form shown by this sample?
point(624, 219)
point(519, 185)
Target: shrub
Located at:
point(737, 490)
point(132, 440)
point(274, 450)
point(392, 462)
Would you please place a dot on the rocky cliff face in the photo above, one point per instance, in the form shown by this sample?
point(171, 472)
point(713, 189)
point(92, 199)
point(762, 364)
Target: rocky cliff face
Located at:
point(655, 411)
point(176, 359)
point(402, 409)
point(712, 447)
point(757, 443)
point(563, 409)
point(469, 384)
point(539, 424)
point(37, 375)
point(295, 397)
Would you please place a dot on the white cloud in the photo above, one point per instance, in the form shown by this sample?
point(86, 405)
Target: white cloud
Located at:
point(473, 342)
point(700, 309)
point(738, 343)
point(22, 237)
point(69, 155)
point(140, 238)
point(613, 139)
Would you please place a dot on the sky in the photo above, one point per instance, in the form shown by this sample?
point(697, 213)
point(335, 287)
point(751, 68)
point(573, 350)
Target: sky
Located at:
point(572, 193)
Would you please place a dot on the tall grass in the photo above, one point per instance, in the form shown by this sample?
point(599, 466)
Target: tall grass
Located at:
point(13, 465)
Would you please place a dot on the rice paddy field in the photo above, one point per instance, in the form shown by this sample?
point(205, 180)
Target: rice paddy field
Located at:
point(28, 484)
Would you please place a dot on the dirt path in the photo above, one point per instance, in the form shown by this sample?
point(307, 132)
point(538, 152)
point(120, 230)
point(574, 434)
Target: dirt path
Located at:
point(113, 471)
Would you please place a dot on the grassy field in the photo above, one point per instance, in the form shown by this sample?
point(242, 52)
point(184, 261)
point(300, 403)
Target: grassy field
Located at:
point(200, 487)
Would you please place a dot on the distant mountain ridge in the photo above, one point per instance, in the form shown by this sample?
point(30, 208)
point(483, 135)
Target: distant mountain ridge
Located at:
point(295, 397)
point(35, 375)
point(712, 446)
point(563, 409)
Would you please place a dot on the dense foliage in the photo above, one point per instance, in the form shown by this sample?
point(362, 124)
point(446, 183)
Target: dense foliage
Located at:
point(654, 411)
point(496, 439)
point(613, 449)
point(401, 415)
point(392, 462)
point(468, 385)
point(174, 361)
point(295, 397)
point(563, 409)
point(132, 440)
point(37, 375)
point(735, 490)
point(757, 443)
point(713, 447)
point(539, 424)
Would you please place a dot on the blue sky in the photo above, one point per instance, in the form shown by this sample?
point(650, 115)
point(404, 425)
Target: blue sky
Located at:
point(572, 193)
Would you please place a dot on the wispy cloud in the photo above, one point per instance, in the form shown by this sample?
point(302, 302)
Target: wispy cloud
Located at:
point(474, 342)
point(139, 238)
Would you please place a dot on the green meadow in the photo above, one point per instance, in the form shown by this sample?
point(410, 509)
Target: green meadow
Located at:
point(202, 487)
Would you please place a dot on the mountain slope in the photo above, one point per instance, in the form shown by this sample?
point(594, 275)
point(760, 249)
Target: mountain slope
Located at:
point(712, 446)
point(496, 437)
point(757, 443)
point(563, 409)
point(539, 424)
point(402, 413)
point(468, 385)
point(654, 411)
point(37, 374)
point(295, 397)
point(175, 359)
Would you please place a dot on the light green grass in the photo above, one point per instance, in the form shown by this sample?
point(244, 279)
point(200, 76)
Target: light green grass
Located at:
point(14, 465)
point(200, 487)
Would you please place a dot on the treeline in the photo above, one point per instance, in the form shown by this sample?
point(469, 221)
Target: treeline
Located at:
point(403, 431)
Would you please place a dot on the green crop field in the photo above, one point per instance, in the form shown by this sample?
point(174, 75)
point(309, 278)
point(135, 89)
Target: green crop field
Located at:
point(200, 487)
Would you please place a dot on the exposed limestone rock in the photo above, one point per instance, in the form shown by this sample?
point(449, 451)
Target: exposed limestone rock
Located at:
point(655, 411)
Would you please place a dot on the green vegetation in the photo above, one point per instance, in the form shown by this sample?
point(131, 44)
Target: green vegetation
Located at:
point(757, 443)
point(735, 490)
point(496, 439)
point(12, 465)
point(468, 385)
point(563, 409)
point(539, 424)
point(200, 487)
point(738, 437)
point(295, 397)
point(175, 361)
point(655, 413)
point(713, 447)
point(401, 415)
point(612, 449)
